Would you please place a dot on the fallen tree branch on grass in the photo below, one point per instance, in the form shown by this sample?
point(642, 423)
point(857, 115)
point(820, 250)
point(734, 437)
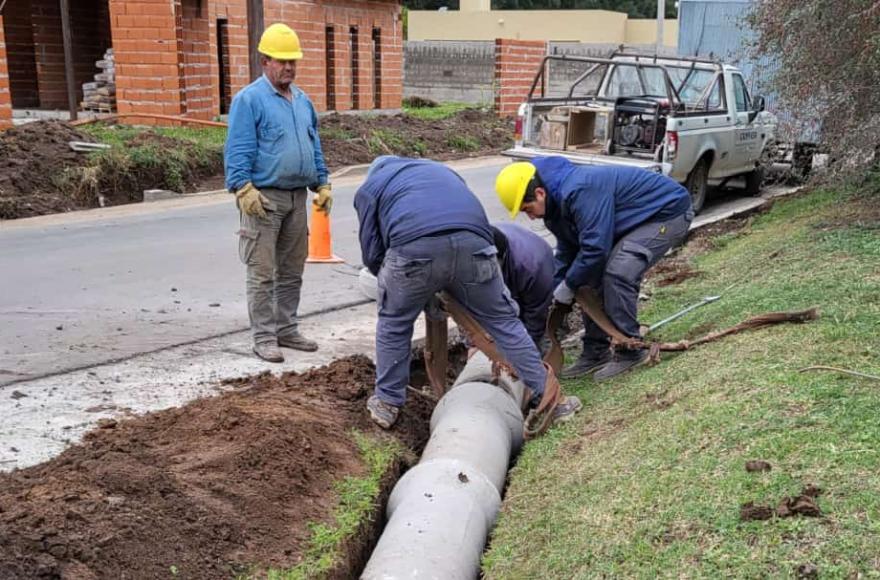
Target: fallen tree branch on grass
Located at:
point(839, 370)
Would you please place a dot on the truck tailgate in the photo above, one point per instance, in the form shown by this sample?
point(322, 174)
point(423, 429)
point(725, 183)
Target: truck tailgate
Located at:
point(589, 159)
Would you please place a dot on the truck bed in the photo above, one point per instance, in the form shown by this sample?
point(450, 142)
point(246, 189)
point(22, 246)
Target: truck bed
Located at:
point(584, 157)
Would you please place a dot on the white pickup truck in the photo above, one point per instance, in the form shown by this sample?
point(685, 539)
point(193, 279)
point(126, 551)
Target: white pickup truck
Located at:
point(691, 119)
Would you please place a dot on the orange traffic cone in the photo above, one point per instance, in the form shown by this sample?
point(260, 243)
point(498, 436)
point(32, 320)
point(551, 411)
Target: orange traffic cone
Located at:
point(320, 245)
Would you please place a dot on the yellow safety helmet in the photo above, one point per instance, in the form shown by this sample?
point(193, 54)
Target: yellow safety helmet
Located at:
point(512, 183)
point(280, 42)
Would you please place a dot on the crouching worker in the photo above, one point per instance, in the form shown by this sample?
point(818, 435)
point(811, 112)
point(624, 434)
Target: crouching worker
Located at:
point(611, 224)
point(422, 231)
point(527, 270)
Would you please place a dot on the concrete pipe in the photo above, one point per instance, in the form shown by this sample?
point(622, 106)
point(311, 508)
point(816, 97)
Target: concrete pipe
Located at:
point(441, 511)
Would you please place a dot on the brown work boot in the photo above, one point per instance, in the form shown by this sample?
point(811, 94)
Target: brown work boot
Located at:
point(296, 341)
point(382, 413)
point(268, 352)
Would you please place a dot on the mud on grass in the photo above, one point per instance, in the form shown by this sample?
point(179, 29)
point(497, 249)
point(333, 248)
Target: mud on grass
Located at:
point(224, 486)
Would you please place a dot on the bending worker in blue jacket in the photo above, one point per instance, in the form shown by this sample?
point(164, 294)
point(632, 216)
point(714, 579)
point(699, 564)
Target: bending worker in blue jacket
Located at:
point(527, 270)
point(421, 231)
point(611, 224)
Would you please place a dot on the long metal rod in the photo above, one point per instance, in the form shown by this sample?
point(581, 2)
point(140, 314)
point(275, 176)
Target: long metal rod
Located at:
point(68, 58)
point(681, 313)
point(661, 18)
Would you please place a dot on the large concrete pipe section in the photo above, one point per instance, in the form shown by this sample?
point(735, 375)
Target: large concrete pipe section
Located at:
point(441, 511)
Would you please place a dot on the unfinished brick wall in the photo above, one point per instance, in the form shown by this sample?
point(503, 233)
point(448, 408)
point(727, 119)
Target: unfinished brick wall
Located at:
point(237, 68)
point(5, 96)
point(145, 43)
point(195, 55)
point(311, 21)
point(515, 64)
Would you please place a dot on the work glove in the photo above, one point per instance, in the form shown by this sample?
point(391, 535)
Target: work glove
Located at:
point(251, 201)
point(563, 294)
point(324, 199)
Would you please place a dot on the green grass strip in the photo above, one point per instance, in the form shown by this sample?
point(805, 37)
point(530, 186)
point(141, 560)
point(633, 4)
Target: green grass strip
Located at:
point(441, 111)
point(357, 502)
point(648, 480)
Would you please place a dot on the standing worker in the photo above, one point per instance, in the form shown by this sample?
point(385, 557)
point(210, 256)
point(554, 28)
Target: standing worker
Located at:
point(422, 231)
point(527, 270)
point(273, 153)
point(611, 224)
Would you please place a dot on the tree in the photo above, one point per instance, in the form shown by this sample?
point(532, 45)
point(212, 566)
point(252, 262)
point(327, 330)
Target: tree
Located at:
point(826, 57)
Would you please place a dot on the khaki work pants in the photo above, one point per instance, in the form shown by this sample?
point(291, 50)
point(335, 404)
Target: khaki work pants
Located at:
point(275, 249)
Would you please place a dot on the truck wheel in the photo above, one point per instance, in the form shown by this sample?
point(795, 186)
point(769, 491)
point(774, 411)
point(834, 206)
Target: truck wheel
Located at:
point(697, 183)
point(754, 181)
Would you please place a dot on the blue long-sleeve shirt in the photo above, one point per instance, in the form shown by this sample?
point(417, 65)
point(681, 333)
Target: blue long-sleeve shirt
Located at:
point(527, 267)
point(405, 199)
point(273, 141)
point(589, 208)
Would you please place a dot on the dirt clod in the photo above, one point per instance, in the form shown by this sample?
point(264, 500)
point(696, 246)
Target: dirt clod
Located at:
point(222, 486)
point(16, 395)
point(757, 465)
point(807, 572)
point(750, 512)
point(802, 505)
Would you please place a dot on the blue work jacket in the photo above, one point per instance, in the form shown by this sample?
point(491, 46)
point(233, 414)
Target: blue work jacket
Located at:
point(589, 208)
point(404, 199)
point(527, 267)
point(272, 141)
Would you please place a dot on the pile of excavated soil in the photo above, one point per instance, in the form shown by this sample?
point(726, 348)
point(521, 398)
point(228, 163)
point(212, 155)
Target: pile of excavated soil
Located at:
point(32, 158)
point(356, 139)
point(220, 486)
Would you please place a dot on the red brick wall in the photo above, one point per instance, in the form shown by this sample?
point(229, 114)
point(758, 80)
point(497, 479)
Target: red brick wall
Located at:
point(5, 97)
point(145, 43)
point(90, 35)
point(46, 19)
point(310, 20)
point(235, 14)
point(21, 55)
point(515, 65)
point(167, 60)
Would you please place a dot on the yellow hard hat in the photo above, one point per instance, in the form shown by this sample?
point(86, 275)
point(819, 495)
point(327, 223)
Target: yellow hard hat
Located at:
point(512, 183)
point(279, 41)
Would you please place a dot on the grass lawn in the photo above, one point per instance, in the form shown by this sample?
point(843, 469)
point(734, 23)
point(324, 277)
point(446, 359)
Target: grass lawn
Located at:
point(649, 479)
point(441, 111)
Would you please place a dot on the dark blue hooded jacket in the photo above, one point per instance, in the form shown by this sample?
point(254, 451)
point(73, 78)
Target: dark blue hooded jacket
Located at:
point(406, 199)
point(527, 268)
point(589, 208)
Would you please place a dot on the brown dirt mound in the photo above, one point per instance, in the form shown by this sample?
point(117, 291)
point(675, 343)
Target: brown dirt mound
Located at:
point(356, 139)
point(219, 486)
point(31, 157)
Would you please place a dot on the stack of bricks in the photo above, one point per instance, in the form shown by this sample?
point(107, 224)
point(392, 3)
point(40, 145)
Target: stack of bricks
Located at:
point(516, 62)
point(5, 97)
point(100, 95)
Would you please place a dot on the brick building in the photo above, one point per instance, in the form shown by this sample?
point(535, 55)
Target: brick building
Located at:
point(188, 57)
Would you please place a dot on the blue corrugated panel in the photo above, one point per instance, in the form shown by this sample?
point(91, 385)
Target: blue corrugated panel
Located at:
point(719, 28)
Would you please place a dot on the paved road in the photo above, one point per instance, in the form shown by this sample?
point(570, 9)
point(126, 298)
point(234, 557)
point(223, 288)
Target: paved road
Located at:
point(93, 287)
point(104, 285)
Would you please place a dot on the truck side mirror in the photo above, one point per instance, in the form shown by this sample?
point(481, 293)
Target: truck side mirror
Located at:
point(757, 107)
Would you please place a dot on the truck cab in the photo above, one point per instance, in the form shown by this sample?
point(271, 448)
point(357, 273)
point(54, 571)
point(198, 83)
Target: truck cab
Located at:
point(691, 119)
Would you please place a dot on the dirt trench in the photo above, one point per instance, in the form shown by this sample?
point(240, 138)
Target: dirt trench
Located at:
point(222, 486)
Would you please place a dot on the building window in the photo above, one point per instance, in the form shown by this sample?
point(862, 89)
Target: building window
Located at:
point(377, 68)
point(223, 65)
point(355, 84)
point(330, 55)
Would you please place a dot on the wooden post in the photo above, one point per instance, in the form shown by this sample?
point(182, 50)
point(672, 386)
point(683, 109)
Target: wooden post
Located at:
point(255, 30)
point(68, 58)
